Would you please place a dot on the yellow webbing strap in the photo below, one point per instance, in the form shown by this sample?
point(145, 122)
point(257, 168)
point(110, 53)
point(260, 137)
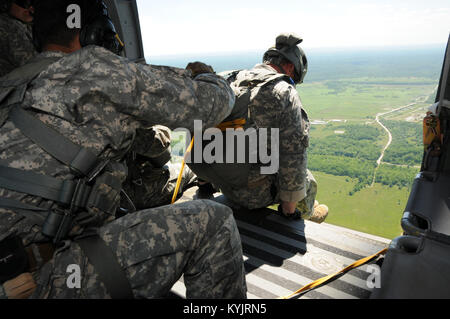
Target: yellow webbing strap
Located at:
point(120, 41)
point(180, 176)
point(325, 279)
point(238, 123)
point(235, 124)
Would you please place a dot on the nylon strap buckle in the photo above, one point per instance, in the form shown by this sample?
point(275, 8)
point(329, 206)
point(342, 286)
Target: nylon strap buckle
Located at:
point(80, 195)
point(75, 194)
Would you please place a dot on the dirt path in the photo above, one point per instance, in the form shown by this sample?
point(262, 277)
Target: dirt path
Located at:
point(377, 119)
point(420, 99)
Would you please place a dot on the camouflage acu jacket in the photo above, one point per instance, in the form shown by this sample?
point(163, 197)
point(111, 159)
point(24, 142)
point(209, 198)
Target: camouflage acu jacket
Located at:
point(98, 100)
point(278, 105)
point(16, 46)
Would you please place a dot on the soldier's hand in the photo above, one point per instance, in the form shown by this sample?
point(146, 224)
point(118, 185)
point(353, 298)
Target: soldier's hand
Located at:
point(199, 68)
point(289, 210)
point(20, 287)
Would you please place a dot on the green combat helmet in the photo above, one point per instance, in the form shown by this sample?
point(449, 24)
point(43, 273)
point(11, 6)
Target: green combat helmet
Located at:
point(287, 47)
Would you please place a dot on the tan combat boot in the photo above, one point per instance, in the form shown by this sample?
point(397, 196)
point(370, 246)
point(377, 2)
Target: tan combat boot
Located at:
point(320, 213)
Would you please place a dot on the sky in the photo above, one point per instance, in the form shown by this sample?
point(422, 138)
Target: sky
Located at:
point(173, 27)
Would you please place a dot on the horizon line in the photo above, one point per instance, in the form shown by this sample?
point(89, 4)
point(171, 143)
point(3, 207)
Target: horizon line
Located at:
point(324, 48)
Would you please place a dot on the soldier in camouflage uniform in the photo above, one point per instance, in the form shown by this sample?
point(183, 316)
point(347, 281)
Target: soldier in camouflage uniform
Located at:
point(98, 100)
point(16, 45)
point(152, 177)
point(273, 103)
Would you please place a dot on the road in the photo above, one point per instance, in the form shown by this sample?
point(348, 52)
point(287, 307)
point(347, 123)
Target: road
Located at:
point(420, 99)
point(377, 119)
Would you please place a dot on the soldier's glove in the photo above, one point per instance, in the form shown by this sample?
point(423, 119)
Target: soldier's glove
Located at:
point(20, 287)
point(199, 68)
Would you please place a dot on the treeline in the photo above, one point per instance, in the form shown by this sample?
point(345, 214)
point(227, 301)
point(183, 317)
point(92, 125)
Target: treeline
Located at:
point(358, 141)
point(396, 176)
point(354, 153)
point(407, 143)
point(340, 86)
point(374, 63)
point(361, 170)
point(351, 153)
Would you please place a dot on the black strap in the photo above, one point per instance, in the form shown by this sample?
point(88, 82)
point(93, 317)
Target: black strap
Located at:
point(107, 267)
point(24, 209)
point(15, 204)
point(62, 191)
point(79, 159)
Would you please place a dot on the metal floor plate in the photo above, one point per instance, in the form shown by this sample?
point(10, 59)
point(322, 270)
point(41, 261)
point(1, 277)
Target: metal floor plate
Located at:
point(281, 256)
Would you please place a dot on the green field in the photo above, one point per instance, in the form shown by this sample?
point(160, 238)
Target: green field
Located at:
point(375, 210)
point(346, 142)
point(360, 99)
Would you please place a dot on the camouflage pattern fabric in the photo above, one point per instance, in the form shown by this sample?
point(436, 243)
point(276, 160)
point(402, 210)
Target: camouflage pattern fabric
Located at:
point(155, 247)
point(149, 186)
point(99, 100)
point(16, 44)
point(153, 143)
point(306, 205)
point(151, 177)
point(275, 105)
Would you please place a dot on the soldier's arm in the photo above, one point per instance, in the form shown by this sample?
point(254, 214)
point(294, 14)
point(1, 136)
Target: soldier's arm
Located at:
point(293, 144)
point(171, 97)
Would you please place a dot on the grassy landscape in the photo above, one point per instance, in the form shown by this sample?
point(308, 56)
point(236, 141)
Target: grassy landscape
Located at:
point(343, 95)
point(375, 210)
point(346, 143)
point(361, 98)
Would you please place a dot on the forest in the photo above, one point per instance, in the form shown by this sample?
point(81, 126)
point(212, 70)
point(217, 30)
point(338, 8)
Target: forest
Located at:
point(354, 152)
point(407, 148)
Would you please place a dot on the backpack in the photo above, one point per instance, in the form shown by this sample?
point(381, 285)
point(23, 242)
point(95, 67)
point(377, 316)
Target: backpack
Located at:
point(229, 176)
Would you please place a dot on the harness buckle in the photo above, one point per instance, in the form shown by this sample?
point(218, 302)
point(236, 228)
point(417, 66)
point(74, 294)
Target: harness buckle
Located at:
point(74, 194)
point(59, 221)
point(80, 195)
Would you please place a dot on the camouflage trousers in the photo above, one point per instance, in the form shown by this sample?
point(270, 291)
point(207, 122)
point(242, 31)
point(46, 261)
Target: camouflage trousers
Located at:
point(197, 239)
point(306, 206)
point(264, 192)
